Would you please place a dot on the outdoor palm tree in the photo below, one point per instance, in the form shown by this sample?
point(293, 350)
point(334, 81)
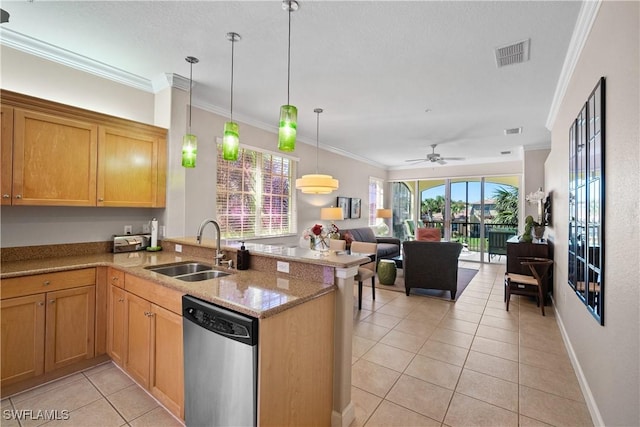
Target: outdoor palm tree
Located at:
point(506, 205)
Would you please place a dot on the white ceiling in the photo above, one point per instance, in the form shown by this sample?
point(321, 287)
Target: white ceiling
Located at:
point(373, 66)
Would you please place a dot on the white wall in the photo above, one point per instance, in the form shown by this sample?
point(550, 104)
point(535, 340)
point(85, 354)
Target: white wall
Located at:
point(607, 356)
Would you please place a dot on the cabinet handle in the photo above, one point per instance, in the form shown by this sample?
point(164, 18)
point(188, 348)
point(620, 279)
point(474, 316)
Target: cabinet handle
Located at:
point(52, 301)
point(114, 279)
point(100, 199)
point(40, 303)
point(46, 283)
point(18, 196)
point(6, 196)
point(120, 299)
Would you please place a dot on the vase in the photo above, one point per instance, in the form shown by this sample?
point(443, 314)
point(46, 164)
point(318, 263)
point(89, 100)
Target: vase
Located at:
point(538, 231)
point(319, 243)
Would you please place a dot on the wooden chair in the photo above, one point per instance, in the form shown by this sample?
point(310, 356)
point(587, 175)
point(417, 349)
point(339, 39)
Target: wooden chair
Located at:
point(337, 244)
point(521, 284)
point(367, 270)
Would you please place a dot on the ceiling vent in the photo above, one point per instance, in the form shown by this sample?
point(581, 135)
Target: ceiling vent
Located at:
point(504, 153)
point(513, 131)
point(512, 54)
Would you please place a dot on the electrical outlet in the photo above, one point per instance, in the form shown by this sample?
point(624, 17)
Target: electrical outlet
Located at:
point(178, 248)
point(146, 228)
point(161, 231)
point(128, 229)
point(283, 267)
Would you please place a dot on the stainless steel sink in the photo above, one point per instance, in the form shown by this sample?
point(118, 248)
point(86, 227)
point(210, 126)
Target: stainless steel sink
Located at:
point(188, 271)
point(203, 275)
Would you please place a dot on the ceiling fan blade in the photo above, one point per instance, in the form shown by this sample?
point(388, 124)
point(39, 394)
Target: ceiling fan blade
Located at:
point(416, 160)
point(441, 162)
point(453, 158)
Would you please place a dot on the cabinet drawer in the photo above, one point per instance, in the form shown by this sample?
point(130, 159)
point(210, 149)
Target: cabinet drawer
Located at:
point(154, 292)
point(29, 285)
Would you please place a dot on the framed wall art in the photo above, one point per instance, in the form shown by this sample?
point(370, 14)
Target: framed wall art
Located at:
point(356, 208)
point(343, 203)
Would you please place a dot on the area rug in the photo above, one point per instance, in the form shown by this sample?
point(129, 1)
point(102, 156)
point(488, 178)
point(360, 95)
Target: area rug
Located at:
point(465, 275)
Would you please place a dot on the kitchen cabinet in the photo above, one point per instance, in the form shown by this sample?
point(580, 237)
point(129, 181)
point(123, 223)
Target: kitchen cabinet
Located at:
point(6, 154)
point(48, 323)
point(153, 340)
point(116, 324)
point(54, 154)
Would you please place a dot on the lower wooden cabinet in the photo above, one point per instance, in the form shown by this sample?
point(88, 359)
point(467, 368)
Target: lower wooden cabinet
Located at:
point(45, 331)
point(144, 336)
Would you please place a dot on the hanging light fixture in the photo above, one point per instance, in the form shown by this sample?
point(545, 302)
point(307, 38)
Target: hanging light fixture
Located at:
point(190, 141)
point(287, 127)
point(231, 138)
point(317, 183)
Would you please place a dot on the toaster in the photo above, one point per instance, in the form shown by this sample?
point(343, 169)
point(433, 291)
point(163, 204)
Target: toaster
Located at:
point(131, 242)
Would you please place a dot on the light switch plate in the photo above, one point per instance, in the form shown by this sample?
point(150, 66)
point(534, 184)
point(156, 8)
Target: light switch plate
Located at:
point(128, 229)
point(178, 248)
point(283, 267)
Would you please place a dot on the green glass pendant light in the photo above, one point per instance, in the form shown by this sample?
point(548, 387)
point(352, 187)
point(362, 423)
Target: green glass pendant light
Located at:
point(287, 128)
point(190, 141)
point(231, 138)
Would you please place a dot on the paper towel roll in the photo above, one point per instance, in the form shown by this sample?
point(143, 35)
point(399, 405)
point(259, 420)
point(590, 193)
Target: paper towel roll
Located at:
point(154, 233)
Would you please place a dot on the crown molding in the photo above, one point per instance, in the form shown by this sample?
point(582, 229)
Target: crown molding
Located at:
point(70, 59)
point(586, 18)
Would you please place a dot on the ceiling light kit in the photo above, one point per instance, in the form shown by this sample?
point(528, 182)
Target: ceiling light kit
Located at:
point(190, 141)
point(434, 157)
point(288, 124)
point(317, 183)
point(231, 138)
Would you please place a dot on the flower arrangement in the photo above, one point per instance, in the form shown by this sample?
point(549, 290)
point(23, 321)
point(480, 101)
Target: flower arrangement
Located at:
point(318, 236)
point(537, 197)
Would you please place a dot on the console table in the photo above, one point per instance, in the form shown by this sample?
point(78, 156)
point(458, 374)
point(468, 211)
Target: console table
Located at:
point(517, 250)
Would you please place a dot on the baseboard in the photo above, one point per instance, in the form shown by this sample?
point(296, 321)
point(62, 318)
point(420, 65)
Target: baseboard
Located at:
point(345, 418)
point(596, 417)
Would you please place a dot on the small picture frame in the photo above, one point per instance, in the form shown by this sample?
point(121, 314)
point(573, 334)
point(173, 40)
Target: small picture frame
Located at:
point(356, 207)
point(343, 203)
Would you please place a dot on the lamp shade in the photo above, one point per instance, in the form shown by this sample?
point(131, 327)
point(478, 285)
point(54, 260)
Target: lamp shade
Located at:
point(317, 184)
point(383, 213)
point(189, 150)
point(288, 128)
point(331, 214)
point(230, 141)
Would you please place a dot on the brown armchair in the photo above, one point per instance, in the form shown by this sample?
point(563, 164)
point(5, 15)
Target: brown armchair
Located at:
point(431, 265)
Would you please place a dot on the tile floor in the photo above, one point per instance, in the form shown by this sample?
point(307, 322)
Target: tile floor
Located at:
point(417, 361)
point(420, 361)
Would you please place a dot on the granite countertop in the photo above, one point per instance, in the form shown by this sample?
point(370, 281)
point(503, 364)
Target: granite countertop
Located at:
point(254, 293)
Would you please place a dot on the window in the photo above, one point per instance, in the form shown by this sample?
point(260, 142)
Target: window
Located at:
point(254, 195)
point(376, 199)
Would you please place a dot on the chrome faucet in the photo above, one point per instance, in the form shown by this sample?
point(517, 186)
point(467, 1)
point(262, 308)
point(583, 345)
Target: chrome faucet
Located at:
point(219, 254)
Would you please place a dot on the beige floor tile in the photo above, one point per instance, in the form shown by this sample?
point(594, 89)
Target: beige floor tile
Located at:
point(389, 414)
point(510, 324)
point(495, 348)
point(434, 371)
point(552, 409)
point(420, 396)
point(415, 327)
point(541, 326)
point(359, 315)
point(8, 418)
point(426, 315)
point(403, 341)
point(466, 299)
point(444, 352)
point(373, 378)
point(98, 368)
point(497, 334)
point(548, 344)
point(97, 414)
point(465, 411)
point(364, 404)
point(458, 325)
point(360, 346)
point(381, 319)
point(501, 305)
point(478, 309)
point(452, 337)
point(468, 316)
point(541, 359)
point(395, 310)
point(132, 402)
point(68, 397)
point(389, 357)
point(156, 418)
point(477, 294)
point(110, 380)
point(370, 331)
point(561, 384)
point(45, 388)
point(489, 389)
point(530, 422)
point(492, 365)
point(501, 313)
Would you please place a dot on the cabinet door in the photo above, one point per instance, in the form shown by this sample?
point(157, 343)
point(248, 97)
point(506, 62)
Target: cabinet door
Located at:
point(167, 372)
point(137, 338)
point(116, 325)
point(70, 326)
point(6, 154)
point(54, 160)
point(130, 169)
point(22, 338)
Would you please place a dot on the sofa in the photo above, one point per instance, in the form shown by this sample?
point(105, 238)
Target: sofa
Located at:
point(431, 265)
point(388, 247)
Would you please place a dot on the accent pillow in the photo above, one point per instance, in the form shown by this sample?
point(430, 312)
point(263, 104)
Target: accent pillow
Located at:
point(428, 234)
point(348, 237)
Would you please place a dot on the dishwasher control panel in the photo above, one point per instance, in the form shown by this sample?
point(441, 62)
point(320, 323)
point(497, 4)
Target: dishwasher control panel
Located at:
point(216, 324)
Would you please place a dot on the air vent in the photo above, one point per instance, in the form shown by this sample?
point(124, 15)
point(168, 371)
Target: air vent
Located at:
point(513, 131)
point(504, 153)
point(512, 54)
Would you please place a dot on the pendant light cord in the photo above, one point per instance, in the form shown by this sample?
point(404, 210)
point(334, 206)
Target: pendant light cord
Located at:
point(190, 89)
point(317, 138)
point(289, 55)
point(233, 42)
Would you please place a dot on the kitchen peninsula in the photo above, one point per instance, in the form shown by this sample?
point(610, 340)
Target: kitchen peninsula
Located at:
point(301, 314)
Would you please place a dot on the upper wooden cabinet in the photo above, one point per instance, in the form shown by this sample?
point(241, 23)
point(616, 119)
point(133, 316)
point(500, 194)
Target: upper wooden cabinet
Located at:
point(54, 154)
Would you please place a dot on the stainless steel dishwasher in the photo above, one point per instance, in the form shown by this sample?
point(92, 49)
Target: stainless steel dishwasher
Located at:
point(220, 365)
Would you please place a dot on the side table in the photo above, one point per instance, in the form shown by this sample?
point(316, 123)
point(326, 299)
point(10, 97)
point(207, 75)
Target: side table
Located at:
point(387, 272)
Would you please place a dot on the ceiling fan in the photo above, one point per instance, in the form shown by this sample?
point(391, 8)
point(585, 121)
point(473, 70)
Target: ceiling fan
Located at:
point(434, 157)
